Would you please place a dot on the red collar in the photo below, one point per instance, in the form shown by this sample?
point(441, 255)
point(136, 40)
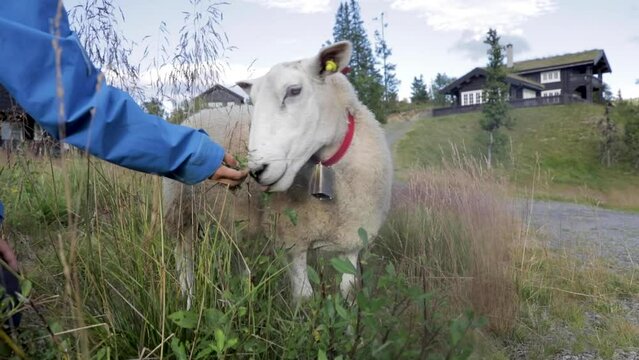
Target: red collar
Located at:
point(345, 144)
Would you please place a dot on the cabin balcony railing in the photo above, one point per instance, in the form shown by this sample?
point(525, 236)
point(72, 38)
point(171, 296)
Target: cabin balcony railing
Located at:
point(516, 103)
point(584, 79)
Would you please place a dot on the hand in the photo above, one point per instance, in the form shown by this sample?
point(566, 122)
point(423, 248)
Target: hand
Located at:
point(8, 255)
point(226, 174)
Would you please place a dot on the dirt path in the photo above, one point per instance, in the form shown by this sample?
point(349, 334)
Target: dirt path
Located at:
point(396, 128)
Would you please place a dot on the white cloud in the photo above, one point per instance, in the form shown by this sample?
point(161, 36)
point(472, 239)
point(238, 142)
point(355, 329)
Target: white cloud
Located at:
point(239, 72)
point(476, 15)
point(301, 6)
point(475, 49)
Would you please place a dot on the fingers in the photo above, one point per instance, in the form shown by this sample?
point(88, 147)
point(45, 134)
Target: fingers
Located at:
point(230, 160)
point(8, 255)
point(228, 176)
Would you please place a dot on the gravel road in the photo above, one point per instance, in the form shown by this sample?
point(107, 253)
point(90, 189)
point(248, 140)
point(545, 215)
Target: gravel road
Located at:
point(611, 234)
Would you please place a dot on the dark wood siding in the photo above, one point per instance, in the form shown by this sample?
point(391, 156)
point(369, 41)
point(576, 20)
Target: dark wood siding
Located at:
point(475, 84)
point(6, 101)
point(222, 96)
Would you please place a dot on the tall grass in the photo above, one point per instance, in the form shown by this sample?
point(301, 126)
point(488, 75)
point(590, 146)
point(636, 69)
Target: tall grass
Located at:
point(129, 295)
point(454, 229)
point(93, 243)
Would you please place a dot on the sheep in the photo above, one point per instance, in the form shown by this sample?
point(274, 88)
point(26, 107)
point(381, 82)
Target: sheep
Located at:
point(300, 114)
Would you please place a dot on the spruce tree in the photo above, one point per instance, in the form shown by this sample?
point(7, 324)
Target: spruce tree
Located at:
point(389, 79)
point(496, 109)
point(441, 81)
point(610, 140)
point(341, 29)
point(364, 76)
point(631, 136)
point(419, 94)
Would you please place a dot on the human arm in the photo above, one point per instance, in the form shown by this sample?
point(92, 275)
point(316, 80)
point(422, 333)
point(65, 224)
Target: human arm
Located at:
point(70, 99)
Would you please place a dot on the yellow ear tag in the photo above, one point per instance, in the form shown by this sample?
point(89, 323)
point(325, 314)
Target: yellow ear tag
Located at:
point(331, 65)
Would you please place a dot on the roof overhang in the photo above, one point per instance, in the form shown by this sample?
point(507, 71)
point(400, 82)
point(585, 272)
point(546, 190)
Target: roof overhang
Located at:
point(480, 72)
point(476, 72)
point(222, 88)
point(603, 60)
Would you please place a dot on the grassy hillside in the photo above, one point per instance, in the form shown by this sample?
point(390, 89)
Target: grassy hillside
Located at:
point(554, 147)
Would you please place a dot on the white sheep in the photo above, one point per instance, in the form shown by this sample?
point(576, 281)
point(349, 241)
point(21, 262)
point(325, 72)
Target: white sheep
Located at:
point(300, 113)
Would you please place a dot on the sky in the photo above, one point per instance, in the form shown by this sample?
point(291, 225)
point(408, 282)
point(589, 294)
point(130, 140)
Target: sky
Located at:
point(425, 36)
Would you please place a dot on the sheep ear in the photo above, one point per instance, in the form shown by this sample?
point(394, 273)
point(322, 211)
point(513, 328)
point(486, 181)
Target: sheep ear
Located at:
point(333, 58)
point(245, 85)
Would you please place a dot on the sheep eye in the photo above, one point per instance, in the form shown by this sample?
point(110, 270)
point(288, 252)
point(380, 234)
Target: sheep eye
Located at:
point(293, 91)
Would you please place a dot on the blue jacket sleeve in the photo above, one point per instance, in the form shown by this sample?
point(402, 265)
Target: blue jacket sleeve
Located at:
point(101, 119)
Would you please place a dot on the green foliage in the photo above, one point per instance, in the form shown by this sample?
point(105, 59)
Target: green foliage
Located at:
point(631, 134)
point(441, 81)
point(370, 92)
point(342, 27)
point(292, 215)
point(419, 92)
point(606, 93)
point(610, 146)
point(366, 79)
point(180, 113)
point(186, 108)
point(496, 107)
point(631, 139)
point(378, 325)
point(155, 107)
point(130, 293)
point(389, 78)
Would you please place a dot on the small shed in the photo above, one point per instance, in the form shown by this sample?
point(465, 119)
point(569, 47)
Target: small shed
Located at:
point(16, 126)
point(220, 95)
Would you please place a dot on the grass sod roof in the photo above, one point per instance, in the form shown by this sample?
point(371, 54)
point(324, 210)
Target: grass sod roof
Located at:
point(522, 67)
point(559, 60)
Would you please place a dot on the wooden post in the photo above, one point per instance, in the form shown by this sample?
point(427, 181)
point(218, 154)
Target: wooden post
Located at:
point(601, 87)
point(589, 78)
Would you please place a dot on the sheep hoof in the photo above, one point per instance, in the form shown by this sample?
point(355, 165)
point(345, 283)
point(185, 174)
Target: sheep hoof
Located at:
point(303, 294)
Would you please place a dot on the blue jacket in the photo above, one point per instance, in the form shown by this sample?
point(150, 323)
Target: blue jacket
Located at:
point(118, 130)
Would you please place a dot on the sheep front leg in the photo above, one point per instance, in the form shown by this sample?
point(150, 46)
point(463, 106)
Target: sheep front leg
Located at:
point(297, 270)
point(185, 268)
point(348, 280)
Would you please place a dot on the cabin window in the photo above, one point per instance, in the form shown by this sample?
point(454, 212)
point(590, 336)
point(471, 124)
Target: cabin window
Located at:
point(550, 76)
point(547, 93)
point(529, 94)
point(472, 97)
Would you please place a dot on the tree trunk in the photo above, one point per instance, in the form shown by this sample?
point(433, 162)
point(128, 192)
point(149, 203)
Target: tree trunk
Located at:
point(489, 159)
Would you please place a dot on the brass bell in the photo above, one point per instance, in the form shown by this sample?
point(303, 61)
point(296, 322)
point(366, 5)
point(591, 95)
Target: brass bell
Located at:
point(321, 183)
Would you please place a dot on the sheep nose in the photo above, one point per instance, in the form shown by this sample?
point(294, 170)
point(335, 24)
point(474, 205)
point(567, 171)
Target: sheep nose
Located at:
point(258, 171)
